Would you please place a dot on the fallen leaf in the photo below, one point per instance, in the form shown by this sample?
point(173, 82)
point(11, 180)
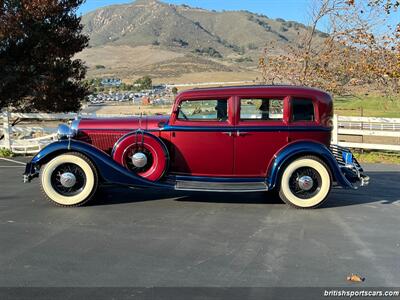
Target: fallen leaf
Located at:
point(355, 278)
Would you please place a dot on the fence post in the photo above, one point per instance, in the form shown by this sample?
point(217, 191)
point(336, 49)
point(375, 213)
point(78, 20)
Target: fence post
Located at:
point(335, 131)
point(6, 129)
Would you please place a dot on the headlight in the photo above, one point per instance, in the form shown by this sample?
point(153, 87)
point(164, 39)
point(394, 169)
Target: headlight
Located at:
point(65, 132)
point(75, 125)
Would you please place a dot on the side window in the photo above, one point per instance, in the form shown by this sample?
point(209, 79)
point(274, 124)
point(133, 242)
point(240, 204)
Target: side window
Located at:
point(261, 109)
point(302, 110)
point(203, 110)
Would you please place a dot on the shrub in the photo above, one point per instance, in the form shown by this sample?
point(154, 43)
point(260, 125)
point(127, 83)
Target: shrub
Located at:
point(260, 22)
point(252, 46)
point(180, 43)
point(323, 34)
point(6, 152)
point(208, 51)
point(244, 59)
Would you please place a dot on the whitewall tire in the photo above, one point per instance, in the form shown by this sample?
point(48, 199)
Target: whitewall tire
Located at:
point(305, 182)
point(69, 179)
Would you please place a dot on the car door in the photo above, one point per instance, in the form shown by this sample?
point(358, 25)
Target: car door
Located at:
point(303, 114)
point(261, 132)
point(201, 137)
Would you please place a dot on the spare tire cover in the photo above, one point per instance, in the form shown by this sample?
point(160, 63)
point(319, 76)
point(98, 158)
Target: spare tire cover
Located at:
point(152, 147)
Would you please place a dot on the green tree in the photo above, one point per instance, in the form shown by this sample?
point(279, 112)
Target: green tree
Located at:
point(174, 90)
point(144, 83)
point(38, 39)
point(123, 87)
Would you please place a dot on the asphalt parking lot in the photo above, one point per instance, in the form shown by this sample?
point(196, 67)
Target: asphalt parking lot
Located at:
point(144, 238)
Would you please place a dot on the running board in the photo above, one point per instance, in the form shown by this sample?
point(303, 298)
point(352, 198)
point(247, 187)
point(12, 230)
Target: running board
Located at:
point(237, 187)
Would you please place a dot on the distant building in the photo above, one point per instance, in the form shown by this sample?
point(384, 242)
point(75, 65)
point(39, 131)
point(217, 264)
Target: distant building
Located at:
point(111, 82)
point(146, 100)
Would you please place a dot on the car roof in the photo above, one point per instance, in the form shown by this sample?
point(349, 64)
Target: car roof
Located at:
point(257, 89)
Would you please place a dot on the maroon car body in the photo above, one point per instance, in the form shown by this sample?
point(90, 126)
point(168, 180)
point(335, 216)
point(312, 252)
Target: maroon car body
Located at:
point(237, 139)
point(190, 152)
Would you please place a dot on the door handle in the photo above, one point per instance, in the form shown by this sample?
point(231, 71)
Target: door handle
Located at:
point(238, 133)
point(227, 133)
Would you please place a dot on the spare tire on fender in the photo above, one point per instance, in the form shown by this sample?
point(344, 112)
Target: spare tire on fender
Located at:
point(142, 153)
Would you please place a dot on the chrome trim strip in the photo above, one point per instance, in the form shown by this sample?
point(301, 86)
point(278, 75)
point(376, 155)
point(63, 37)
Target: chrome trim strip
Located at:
point(237, 187)
point(221, 191)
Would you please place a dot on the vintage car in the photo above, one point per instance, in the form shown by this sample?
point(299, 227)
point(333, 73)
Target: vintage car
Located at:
point(226, 139)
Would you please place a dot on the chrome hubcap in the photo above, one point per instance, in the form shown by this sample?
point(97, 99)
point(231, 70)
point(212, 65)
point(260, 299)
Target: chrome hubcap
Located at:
point(139, 160)
point(67, 180)
point(305, 183)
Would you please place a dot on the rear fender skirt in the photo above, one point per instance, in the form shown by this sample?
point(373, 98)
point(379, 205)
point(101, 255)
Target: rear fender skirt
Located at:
point(300, 148)
point(110, 171)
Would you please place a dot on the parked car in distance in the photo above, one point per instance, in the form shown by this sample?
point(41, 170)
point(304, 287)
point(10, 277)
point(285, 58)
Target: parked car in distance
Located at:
point(228, 139)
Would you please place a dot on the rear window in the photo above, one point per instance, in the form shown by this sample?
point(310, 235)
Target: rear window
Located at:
point(302, 110)
point(261, 109)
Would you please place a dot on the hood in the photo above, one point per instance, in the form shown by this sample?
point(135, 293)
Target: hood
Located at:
point(131, 123)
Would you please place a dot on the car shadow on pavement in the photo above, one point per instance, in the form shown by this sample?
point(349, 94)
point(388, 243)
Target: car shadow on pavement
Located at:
point(383, 189)
point(123, 195)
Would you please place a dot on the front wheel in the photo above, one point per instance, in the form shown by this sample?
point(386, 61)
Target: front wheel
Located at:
point(305, 183)
point(69, 179)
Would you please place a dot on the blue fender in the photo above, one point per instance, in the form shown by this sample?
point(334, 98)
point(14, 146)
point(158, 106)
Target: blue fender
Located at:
point(109, 171)
point(305, 148)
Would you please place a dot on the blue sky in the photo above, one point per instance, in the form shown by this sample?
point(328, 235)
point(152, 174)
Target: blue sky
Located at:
point(295, 10)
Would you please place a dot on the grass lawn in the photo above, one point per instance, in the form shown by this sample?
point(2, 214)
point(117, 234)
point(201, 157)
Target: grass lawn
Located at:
point(368, 106)
point(378, 157)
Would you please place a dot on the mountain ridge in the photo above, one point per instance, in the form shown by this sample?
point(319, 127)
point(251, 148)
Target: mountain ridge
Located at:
point(234, 39)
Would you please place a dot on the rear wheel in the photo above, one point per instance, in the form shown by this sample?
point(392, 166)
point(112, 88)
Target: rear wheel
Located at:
point(69, 179)
point(305, 183)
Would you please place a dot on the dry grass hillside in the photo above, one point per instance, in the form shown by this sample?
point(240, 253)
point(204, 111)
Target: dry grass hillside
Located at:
point(171, 41)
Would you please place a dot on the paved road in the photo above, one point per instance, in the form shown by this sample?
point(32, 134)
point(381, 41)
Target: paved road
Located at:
point(158, 238)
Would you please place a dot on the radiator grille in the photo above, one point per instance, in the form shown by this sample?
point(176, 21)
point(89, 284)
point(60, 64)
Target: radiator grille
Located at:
point(102, 140)
point(337, 152)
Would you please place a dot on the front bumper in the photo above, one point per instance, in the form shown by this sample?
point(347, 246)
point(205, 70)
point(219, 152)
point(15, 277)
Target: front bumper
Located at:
point(350, 168)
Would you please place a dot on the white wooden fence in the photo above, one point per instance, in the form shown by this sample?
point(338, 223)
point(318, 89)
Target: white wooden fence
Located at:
point(348, 126)
point(366, 127)
point(28, 145)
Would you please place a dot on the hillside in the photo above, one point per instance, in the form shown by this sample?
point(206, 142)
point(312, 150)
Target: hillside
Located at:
point(164, 40)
